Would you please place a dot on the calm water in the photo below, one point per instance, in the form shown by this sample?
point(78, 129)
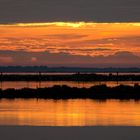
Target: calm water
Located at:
point(69, 112)
point(21, 84)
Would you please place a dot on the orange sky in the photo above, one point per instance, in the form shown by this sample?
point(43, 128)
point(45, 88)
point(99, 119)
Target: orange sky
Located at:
point(77, 38)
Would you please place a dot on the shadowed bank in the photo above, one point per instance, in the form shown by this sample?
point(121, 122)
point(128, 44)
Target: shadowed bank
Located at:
point(65, 92)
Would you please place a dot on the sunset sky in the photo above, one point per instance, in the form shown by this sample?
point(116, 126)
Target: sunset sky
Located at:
point(70, 44)
point(83, 33)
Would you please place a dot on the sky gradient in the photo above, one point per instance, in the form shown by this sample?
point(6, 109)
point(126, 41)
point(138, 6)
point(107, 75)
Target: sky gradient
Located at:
point(83, 33)
point(85, 44)
point(13, 11)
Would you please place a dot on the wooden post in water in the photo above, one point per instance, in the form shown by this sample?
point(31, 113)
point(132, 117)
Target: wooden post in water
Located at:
point(39, 79)
point(78, 74)
point(117, 78)
point(1, 76)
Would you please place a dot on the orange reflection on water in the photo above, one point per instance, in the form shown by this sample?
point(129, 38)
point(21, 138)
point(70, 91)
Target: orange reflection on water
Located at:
point(69, 112)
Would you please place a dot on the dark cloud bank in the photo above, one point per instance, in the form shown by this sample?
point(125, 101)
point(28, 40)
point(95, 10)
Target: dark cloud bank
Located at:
point(120, 59)
point(69, 10)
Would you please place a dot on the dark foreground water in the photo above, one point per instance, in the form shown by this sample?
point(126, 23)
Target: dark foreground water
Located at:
point(69, 112)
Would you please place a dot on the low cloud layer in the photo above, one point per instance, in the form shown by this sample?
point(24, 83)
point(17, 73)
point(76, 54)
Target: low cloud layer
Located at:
point(119, 59)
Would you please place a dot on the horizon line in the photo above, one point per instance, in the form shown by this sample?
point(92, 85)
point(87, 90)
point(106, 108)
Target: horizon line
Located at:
point(63, 23)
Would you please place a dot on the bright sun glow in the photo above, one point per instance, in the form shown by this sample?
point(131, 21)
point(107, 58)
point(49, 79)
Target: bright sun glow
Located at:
point(66, 24)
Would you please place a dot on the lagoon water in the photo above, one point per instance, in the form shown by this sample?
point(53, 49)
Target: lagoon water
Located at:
point(76, 112)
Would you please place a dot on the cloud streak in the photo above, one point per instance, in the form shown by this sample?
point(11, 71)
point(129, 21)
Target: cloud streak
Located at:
point(72, 41)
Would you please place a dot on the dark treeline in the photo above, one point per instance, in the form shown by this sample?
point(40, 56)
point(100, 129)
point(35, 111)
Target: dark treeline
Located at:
point(65, 92)
point(64, 69)
point(73, 77)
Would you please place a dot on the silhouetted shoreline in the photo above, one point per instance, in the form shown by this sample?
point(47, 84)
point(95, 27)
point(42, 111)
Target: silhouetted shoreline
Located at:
point(65, 92)
point(70, 77)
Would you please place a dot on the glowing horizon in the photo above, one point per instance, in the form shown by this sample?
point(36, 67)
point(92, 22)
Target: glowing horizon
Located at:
point(69, 24)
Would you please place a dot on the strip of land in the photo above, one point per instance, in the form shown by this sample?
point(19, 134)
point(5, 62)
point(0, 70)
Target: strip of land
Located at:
point(64, 92)
point(71, 77)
